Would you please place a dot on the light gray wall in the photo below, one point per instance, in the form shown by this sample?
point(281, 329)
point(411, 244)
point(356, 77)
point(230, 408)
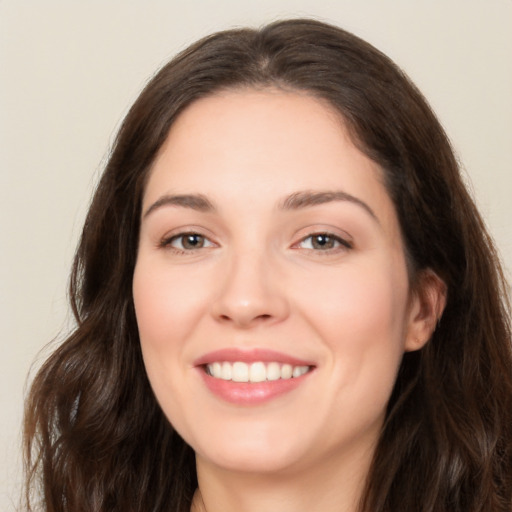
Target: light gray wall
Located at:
point(69, 71)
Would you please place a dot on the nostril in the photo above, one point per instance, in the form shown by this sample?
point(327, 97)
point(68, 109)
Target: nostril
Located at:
point(265, 316)
point(245, 319)
point(246, 310)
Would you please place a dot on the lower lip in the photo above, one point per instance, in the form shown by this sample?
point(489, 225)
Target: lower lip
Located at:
point(248, 393)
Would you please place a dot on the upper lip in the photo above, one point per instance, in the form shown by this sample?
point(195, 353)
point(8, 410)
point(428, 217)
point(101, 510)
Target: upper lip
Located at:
point(250, 356)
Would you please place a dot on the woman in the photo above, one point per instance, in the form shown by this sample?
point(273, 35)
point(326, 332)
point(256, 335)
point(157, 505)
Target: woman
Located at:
point(285, 299)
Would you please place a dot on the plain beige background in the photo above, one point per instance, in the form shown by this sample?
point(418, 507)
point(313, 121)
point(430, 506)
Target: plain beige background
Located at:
point(69, 71)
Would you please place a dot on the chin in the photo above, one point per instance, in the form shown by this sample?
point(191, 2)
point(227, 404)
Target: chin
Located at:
point(250, 450)
point(251, 461)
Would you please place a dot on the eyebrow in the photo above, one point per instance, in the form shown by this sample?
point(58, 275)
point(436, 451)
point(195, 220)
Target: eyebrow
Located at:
point(305, 199)
point(295, 201)
point(193, 201)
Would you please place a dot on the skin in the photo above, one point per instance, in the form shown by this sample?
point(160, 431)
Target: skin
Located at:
point(258, 281)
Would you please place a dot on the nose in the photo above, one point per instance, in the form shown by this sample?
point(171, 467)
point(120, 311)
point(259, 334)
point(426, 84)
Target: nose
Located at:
point(251, 293)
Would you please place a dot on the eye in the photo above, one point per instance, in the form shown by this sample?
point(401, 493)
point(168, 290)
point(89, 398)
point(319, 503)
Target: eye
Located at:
point(187, 242)
point(323, 242)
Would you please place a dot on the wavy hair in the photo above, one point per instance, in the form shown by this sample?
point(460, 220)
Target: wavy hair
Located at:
point(95, 438)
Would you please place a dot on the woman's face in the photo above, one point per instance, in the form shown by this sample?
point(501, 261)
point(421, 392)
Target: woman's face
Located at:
point(271, 288)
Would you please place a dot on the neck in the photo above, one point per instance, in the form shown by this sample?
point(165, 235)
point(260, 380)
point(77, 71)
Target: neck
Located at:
point(331, 487)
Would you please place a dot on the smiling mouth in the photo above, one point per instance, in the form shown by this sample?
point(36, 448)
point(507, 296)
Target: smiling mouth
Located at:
point(259, 371)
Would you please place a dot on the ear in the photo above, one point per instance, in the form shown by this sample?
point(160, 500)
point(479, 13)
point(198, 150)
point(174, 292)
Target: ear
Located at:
point(426, 307)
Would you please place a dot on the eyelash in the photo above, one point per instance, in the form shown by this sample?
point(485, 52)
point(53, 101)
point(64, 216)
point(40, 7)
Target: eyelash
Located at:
point(340, 244)
point(168, 241)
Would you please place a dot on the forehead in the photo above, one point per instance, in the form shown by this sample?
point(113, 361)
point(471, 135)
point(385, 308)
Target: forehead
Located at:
point(262, 144)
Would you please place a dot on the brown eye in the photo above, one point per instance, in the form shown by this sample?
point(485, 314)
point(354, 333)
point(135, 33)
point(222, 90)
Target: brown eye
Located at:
point(323, 242)
point(188, 242)
point(192, 241)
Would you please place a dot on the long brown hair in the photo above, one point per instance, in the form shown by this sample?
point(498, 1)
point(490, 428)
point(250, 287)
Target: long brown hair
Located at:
point(95, 438)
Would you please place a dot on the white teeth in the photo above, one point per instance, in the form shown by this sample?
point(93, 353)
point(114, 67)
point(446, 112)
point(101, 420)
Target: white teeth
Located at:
point(216, 370)
point(257, 372)
point(273, 371)
point(254, 372)
point(240, 372)
point(286, 371)
point(298, 371)
point(227, 372)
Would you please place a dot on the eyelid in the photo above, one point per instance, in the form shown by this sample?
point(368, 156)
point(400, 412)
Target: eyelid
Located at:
point(344, 240)
point(166, 240)
point(207, 241)
point(334, 238)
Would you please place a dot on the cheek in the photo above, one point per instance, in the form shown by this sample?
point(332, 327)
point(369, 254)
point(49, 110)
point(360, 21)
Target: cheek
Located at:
point(365, 299)
point(166, 308)
point(360, 315)
point(167, 305)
